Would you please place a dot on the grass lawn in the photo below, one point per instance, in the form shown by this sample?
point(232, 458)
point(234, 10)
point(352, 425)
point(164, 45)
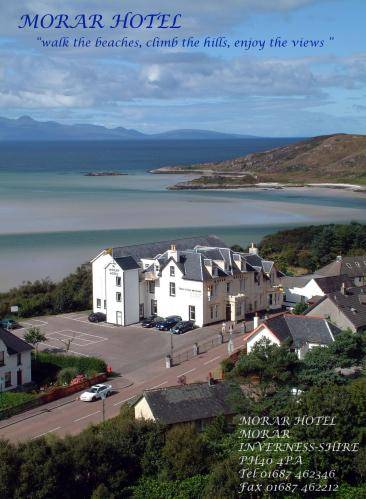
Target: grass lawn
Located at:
point(11, 399)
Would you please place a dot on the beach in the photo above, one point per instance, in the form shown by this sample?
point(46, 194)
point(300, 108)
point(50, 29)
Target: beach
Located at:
point(53, 217)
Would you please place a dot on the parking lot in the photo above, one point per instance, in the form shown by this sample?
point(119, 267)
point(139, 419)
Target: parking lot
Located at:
point(125, 349)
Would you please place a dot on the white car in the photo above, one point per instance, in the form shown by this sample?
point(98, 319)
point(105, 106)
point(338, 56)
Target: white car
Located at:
point(96, 392)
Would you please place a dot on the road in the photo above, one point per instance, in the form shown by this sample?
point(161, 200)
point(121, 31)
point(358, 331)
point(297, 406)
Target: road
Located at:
point(70, 415)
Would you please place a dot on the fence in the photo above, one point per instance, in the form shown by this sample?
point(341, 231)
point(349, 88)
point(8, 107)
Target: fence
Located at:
point(50, 396)
point(203, 347)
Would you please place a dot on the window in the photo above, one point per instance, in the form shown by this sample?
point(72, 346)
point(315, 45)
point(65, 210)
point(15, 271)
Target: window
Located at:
point(7, 377)
point(118, 281)
point(211, 312)
point(242, 284)
point(118, 296)
point(172, 270)
point(270, 299)
point(172, 288)
point(216, 311)
point(154, 307)
point(151, 287)
point(19, 359)
point(228, 287)
point(105, 303)
point(2, 358)
point(99, 302)
point(192, 313)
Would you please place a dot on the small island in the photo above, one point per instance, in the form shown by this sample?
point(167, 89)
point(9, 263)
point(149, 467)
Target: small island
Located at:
point(104, 174)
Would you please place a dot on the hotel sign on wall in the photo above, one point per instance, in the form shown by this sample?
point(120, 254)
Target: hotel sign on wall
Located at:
point(113, 270)
point(192, 291)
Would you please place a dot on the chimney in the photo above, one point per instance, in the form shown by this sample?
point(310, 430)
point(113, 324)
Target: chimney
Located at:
point(255, 321)
point(253, 250)
point(172, 252)
point(343, 288)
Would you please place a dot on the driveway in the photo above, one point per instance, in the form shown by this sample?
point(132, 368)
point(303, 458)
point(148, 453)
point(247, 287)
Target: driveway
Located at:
point(125, 349)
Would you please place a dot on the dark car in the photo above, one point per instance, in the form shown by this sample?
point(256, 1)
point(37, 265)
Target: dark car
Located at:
point(167, 323)
point(182, 327)
point(9, 324)
point(97, 317)
point(151, 321)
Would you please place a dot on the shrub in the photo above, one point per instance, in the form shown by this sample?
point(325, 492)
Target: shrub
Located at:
point(12, 399)
point(83, 365)
point(65, 376)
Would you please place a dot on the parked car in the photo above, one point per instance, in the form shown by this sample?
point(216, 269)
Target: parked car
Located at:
point(182, 327)
point(151, 321)
point(97, 317)
point(9, 324)
point(167, 323)
point(96, 392)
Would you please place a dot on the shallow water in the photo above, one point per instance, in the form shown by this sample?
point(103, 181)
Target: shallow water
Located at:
point(52, 217)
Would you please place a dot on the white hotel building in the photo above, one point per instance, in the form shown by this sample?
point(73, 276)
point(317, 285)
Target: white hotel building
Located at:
point(199, 278)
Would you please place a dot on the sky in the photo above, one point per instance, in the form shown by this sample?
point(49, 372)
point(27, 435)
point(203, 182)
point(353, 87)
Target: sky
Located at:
point(288, 91)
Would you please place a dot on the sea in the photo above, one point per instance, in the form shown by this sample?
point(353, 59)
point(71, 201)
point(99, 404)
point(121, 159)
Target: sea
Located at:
point(53, 217)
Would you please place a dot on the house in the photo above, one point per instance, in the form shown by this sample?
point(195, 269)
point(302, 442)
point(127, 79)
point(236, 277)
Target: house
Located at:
point(300, 332)
point(353, 267)
point(301, 289)
point(199, 279)
point(195, 403)
point(15, 361)
point(345, 308)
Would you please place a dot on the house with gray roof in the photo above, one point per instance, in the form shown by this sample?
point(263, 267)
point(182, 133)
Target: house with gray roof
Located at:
point(302, 289)
point(15, 361)
point(300, 332)
point(197, 403)
point(353, 267)
point(198, 279)
point(345, 308)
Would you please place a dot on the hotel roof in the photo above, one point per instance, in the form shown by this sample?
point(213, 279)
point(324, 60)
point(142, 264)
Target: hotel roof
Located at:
point(148, 250)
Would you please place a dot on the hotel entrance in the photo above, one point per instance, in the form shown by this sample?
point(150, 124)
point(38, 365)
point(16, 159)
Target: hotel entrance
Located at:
point(119, 318)
point(228, 312)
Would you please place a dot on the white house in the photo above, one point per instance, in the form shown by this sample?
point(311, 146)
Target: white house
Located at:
point(300, 332)
point(200, 279)
point(15, 361)
point(302, 288)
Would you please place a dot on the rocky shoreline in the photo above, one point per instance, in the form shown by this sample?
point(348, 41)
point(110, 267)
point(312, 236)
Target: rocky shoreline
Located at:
point(104, 174)
point(207, 181)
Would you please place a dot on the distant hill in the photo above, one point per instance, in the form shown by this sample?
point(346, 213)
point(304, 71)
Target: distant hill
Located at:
point(337, 158)
point(28, 129)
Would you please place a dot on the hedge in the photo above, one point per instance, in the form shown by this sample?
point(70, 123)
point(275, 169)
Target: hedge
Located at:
point(84, 365)
point(11, 399)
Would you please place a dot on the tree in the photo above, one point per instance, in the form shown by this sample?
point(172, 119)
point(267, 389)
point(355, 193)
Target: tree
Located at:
point(300, 308)
point(9, 469)
point(34, 336)
point(184, 452)
point(267, 369)
point(67, 342)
